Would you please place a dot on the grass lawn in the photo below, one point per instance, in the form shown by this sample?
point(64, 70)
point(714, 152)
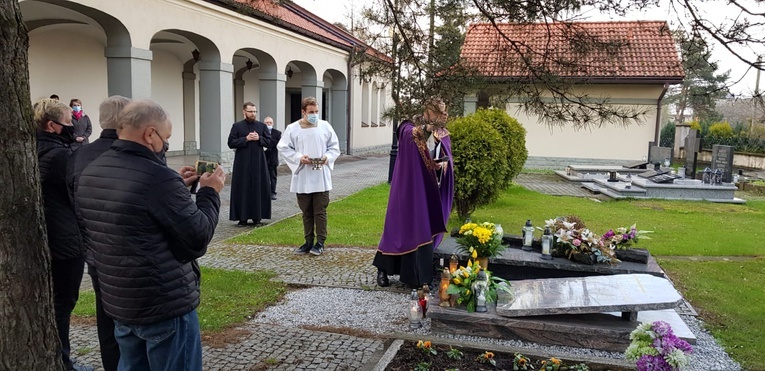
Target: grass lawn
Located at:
point(228, 297)
point(729, 295)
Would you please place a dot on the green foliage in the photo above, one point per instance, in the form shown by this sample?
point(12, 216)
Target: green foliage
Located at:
point(695, 125)
point(667, 136)
point(513, 133)
point(740, 143)
point(721, 129)
point(422, 366)
point(454, 353)
point(480, 163)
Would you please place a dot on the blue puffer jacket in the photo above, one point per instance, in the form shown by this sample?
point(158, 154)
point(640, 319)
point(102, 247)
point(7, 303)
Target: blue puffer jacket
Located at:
point(145, 233)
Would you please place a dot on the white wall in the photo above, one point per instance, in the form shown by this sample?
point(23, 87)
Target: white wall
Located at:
point(70, 65)
point(609, 142)
point(167, 90)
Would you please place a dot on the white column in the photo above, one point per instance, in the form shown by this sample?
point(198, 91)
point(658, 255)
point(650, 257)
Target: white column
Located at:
point(313, 88)
point(272, 96)
point(190, 145)
point(215, 114)
point(339, 119)
point(471, 104)
point(128, 71)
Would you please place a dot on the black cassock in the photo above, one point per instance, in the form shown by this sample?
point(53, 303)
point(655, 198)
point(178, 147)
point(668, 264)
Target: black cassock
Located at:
point(250, 183)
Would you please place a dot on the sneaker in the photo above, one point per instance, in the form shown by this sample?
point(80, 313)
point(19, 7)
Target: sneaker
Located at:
point(317, 249)
point(273, 196)
point(305, 248)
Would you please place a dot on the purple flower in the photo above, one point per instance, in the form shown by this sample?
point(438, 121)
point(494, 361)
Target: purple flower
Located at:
point(652, 363)
point(609, 234)
point(661, 328)
point(625, 237)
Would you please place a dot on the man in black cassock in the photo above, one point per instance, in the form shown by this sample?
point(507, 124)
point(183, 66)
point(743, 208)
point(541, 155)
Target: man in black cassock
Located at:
point(250, 183)
point(272, 154)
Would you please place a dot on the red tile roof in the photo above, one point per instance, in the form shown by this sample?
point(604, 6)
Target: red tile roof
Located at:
point(296, 18)
point(647, 51)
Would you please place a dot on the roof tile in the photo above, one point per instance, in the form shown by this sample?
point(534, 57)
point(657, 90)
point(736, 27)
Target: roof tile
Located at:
point(646, 50)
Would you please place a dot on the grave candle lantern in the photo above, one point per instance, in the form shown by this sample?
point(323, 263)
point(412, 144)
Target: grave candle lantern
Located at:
point(547, 241)
point(707, 177)
point(528, 235)
point(453, 263)
point(628, 181)
point(445, 278)
point(414, 311)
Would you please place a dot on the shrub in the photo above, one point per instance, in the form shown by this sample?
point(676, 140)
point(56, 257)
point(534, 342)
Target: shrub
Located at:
point(667, 137)
point(480, 163)
point(721, 129)
point(513, 134)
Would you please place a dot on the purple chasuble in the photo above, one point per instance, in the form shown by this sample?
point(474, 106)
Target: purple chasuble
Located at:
point(418, 209)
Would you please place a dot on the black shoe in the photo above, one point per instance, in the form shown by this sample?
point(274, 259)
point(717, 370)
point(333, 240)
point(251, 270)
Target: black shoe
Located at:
point(304, 249)
point(317, 249)
point(382, 279)
point(242, 223)
point(273, 196)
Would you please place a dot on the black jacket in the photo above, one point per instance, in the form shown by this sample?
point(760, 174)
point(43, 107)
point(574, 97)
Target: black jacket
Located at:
point(82, 128)
point(77, 163)
point(145, 232)
point(64, 239)
point(272, 155)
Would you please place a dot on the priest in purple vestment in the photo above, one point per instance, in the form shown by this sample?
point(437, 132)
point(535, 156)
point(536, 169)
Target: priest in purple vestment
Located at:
point(420, 199)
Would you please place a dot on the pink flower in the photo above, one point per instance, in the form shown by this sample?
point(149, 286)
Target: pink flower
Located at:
point(577, 242)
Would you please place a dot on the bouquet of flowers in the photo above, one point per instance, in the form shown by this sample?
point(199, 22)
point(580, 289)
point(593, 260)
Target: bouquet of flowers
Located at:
point(655, 347)
point(462, 280)
point(624, 238)
point(571, 240)
point(485, 239)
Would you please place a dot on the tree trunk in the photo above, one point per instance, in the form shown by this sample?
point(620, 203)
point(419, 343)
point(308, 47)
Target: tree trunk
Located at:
point(28, 337)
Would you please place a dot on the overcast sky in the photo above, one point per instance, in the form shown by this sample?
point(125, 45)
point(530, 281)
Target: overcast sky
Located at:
point(717, 10)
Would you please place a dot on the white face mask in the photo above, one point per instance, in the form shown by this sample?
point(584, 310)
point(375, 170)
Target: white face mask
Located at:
point(313, 118)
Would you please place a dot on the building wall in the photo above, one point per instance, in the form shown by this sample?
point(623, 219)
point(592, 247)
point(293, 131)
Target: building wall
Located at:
point(608, 142)
point(71, 65)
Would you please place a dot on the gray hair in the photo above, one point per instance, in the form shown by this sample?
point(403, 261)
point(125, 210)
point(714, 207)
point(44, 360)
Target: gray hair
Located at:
point(140, 113)
point(110, 109)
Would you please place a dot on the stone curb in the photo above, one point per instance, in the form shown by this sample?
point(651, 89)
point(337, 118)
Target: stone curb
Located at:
point(390, 353)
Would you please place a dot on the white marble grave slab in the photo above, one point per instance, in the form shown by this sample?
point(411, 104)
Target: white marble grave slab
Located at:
point(580, 295)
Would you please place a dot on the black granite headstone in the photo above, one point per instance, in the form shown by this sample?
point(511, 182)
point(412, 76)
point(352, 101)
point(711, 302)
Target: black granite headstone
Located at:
point(659, 154)
point(692, 147)
point(722, 159)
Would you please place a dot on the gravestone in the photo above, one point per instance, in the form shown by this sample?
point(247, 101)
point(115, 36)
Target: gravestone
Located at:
point(658, 154)
point(625, 293)
point(722, 158)
point(692, 148)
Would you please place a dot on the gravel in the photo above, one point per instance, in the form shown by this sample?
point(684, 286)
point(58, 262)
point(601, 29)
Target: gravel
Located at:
point(382, 312)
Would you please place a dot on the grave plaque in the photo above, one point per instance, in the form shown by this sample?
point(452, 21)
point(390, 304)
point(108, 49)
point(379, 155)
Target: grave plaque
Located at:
point(692, 147)
point(658, 154)
point(722, 158)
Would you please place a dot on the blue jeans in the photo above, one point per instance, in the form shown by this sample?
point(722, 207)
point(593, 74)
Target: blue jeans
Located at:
point(170, 345)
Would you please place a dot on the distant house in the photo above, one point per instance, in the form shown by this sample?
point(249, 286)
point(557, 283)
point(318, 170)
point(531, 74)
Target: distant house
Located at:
point(635, 76)
point(201, 60)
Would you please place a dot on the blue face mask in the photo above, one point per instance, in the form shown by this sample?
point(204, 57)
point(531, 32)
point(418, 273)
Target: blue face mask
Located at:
point(313, 118)
point(76, 108)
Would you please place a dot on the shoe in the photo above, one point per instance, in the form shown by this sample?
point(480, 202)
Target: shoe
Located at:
point(273, 196)
point(317, 249)
point(305, 248)
point(242, 223)
point(382, 279)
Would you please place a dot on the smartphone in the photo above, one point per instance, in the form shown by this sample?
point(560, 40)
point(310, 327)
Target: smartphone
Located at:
point(205, 167)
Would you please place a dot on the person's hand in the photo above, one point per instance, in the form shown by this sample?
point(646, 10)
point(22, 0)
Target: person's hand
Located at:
point(80, 139)
point(305, 160)
point(213, 180)
point(444, 165)
point(253, 136)
point(188, 174)
point(324, 160)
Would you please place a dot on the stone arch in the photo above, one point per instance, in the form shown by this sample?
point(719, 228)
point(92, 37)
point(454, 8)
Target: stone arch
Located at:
point(261, 84)
point(339, 107)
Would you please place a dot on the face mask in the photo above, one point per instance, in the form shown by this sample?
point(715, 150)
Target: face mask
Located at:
point(76, 108)
point(313, 118)
point(67, 132)
point(162, 154)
